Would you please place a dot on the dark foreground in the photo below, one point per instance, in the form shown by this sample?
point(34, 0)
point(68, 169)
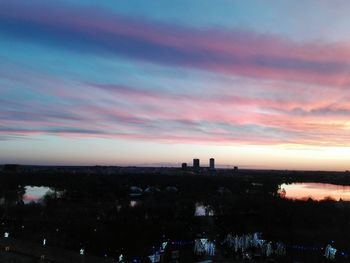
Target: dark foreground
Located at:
point(104, 212)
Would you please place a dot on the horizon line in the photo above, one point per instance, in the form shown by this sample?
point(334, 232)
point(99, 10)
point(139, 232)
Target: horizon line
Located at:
point(155, 165)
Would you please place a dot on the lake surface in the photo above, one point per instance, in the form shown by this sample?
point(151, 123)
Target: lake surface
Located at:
point(35, 194)
point(315, 191)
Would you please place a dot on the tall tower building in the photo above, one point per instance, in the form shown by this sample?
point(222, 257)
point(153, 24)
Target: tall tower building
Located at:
point(196, 163)
point(212, 164)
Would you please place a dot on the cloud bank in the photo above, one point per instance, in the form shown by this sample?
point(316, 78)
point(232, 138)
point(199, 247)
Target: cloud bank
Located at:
point(276, 90)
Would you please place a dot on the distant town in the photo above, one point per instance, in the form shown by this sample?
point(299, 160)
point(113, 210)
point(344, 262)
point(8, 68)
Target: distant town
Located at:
point(195, 168)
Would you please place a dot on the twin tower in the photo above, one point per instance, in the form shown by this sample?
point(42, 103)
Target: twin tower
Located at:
point(196, 164)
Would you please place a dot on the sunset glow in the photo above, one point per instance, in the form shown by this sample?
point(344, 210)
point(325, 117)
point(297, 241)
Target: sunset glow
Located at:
point(316, 191)
point(85, 83)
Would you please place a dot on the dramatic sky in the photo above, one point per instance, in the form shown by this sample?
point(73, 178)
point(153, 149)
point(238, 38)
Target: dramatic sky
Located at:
point(263, 84)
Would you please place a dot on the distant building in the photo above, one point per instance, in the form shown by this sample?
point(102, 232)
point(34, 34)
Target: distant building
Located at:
point(184, 166)
point(235, 168)
point(196, 164)
point(212, 164)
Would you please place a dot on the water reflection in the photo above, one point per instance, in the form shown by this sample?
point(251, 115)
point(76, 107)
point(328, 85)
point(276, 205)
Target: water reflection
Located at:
point(315, 191)
point(36, 194)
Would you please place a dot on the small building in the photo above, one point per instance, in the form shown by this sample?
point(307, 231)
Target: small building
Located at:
point(184, 166)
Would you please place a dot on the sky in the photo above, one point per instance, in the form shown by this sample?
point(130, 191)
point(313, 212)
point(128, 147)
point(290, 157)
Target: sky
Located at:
point(258, 84)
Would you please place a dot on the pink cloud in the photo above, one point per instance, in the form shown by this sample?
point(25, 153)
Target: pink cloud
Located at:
point(300, 95)
point(242, 53)
point(161, 116)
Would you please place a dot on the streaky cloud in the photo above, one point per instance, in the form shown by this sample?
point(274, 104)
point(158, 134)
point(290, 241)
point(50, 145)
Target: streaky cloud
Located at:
point(242, 53)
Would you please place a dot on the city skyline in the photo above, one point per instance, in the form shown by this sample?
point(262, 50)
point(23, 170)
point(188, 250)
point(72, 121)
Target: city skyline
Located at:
point(262, 85)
